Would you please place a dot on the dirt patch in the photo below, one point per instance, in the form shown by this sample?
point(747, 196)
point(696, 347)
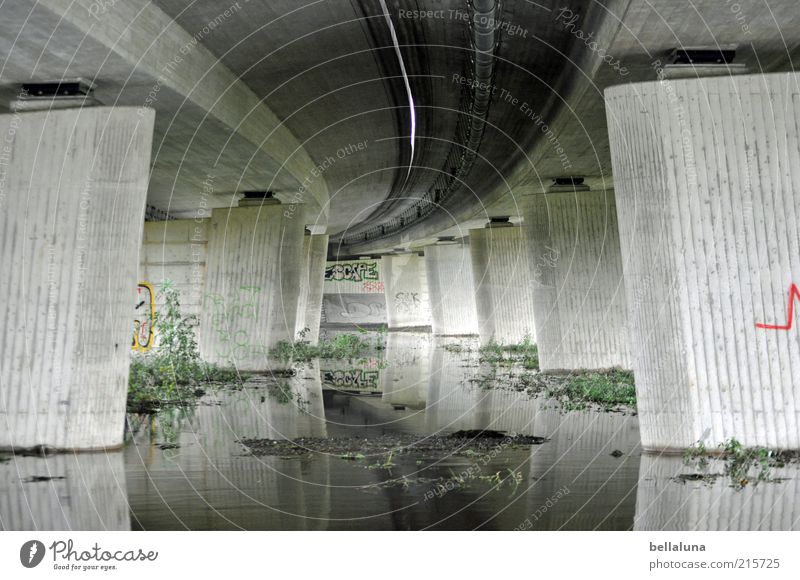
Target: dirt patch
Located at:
point(460, 443)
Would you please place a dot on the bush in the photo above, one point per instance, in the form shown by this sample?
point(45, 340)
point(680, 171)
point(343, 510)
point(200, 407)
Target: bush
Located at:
point(173, 371)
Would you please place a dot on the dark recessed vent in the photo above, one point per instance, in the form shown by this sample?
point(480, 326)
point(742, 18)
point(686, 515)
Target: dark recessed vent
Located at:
point(258, 195)
point(568, 181)
point(58, 89)
point(703, 56)
point(562, 184)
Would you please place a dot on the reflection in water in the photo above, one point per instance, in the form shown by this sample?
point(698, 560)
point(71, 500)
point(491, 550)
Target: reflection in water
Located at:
point(662, 503)
point(81, 491)
point(185, 468)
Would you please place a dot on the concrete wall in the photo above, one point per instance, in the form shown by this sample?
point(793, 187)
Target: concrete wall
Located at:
point(577, 285)
point(503, 295)
point(176, 251)
point(705, 174)
point(309, 304)
point(452, 289)
point(353, 293)
point(71, 212)
point(254, 266)
point(406, 288)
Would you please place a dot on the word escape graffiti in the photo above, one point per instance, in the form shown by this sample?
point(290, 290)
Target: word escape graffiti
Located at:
point(794, 293)
point(352, 379)
point(351, 272)
point(145, 311)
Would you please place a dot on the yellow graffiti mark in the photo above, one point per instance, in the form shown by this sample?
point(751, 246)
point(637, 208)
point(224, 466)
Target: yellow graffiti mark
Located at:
point(143, 335)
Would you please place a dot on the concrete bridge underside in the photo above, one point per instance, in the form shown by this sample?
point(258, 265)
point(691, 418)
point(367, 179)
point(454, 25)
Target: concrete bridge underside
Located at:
point(613, 180)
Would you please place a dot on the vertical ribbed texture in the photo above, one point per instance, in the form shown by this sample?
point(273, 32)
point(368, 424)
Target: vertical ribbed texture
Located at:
point(503, 296)
point(406, 287)
point(176, 250)
point(664, 503)
point(452, 289)
point(71, 211)
point(405, 379)
point(577, 283)
point(309, 304)
point(87, 492)
point(705, 173)
point(254, 268)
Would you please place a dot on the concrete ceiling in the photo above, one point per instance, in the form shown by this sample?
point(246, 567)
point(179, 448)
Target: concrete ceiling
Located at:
point(307, 97)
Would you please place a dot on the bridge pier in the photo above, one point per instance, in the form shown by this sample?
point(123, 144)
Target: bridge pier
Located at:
point(251, 294)
point(72, 197)
point(451, 288)
point(406, 287)
point(309, 304)
point(576, 279)
point(706, 172)
point(503, 298)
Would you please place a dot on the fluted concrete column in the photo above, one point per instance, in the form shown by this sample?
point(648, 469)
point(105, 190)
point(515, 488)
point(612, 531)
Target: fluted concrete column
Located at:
point(501, 275)
point(175, 250)
point(406, 285)
point(309, 304)
point(250, 303)
point(577, 286)
point(451, 288)
point(73, 186)
point(706, 174)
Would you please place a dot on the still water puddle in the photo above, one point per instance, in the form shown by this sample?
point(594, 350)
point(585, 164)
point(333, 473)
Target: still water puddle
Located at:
point(187, 468)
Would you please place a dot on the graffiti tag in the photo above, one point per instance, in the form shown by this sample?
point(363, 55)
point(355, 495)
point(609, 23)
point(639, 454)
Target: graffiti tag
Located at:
point(351, 271)
point(353, 379)
point(145, 311)
point(407, 302)
point(794, 293)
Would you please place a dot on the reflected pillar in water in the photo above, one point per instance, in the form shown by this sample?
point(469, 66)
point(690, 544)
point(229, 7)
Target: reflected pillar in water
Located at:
point(309, 304)
point(452, 289)
point(577, 285)
point(254, 269)
point(73, 200)
point(579, 485)
point(406, 287)
point(502, 283)
point(665, 502)
point(408, 361)
point(209, 481)
point(705, 173)
point(87, 491)
point(454, 401)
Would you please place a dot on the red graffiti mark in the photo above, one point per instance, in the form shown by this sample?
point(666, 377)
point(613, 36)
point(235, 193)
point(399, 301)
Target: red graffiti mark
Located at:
point(793, 293)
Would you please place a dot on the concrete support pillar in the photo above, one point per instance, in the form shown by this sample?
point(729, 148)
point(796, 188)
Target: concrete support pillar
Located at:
point(576, 275)
point(176, 251)
point(451, 288)
point(73, 185)
point(706, 173)
point(254, 269)
point(406, 286)
point(309, 304)
point(502, 285)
